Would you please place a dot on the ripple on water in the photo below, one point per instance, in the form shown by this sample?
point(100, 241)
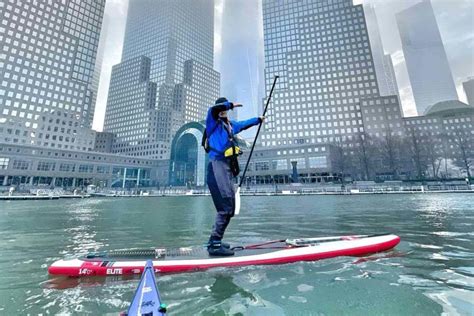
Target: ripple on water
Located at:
point(414, 244)
point(454, 302)
point(453, 234)
point(305, 288)
point(430, 272)
point(454, 279)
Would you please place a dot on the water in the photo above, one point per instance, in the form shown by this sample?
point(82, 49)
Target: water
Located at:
point(431, 272)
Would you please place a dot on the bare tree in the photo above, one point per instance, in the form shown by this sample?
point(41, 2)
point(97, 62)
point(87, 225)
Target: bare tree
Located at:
point(341, 157)
point(463, 157)
point(390, 152)
point(416, 152)
point(365, 153)
point(433, 154)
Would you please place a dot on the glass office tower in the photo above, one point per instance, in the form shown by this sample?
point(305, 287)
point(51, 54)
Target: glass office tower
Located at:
point(428, 67)
point(321, 51)
point(177, 37)
point(383, 62)
point(47, 62)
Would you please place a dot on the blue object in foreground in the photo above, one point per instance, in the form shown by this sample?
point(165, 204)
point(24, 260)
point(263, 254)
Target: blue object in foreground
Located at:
point(146, 300)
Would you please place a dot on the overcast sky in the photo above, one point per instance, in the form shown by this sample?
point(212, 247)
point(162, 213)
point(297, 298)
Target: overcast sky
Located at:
point(455, 21)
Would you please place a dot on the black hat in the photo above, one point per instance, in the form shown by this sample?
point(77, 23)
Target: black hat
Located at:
point(221, 100)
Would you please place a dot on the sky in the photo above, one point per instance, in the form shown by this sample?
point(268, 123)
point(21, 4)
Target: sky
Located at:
point(455, 21)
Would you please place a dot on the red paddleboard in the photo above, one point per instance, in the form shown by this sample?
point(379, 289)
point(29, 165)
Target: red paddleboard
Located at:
point(191, 259)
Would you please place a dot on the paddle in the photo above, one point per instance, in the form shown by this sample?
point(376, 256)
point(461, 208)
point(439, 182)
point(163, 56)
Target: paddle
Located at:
point(237, 193)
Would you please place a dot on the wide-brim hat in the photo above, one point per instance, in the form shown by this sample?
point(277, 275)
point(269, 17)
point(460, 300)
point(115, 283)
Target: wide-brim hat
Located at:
point(221, 100)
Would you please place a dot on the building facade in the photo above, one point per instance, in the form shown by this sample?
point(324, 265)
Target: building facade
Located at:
point(321, 50)
point(47, 61)
point(312, 163)
point(442, 124)
point(428, 67)
point(104, 142)
point(469, 90)
point(386, 79)
point(177, 39)
point(31, 166)
point(131, 115)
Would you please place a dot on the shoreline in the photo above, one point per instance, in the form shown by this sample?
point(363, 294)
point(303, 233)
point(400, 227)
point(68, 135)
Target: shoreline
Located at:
point(191, 194)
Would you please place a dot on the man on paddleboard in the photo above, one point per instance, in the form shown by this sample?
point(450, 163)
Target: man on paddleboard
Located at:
point(222, 168)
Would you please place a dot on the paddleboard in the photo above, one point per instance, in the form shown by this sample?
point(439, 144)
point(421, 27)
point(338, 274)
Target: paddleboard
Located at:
point(126, 262)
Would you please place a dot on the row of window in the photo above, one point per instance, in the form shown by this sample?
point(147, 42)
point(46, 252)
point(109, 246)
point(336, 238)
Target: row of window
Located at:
point(287, 164)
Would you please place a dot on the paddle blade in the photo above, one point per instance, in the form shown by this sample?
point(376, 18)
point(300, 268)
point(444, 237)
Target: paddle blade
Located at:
point(146, 300)
point(237, 202)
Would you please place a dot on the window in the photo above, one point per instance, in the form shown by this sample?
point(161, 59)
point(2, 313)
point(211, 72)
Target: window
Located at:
point(102, 169)
point(20, 164)
point(262, 165)
point(317, 162)
point(280, 164)
point(86, 168)
point(45, 166)
point(67, 167)
point(300, 162)
point(4, 163)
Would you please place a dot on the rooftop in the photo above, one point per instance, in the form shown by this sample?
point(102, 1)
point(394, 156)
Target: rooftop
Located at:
point(448, 107)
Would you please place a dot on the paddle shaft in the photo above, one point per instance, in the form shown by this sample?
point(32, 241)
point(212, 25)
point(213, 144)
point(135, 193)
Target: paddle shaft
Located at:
point(258, 131)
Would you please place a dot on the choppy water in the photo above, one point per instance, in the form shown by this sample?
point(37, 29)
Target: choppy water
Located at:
point(431, 272)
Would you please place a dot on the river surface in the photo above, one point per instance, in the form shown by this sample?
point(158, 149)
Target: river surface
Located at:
point(431, 272)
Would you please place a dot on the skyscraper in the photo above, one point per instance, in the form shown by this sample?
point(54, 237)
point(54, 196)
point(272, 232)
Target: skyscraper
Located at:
point(321, 51)
point(177, 37)
point(428, 67)
point(469, 90)
point(98, 66)
point(47, 63)
point(383, 62)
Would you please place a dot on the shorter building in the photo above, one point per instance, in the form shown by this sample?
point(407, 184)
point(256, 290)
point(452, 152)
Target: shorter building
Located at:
point(104, 142)
point(444, 125)
point(311, 163)
point(308, 163)
point(31, 166)
point(443, 118)
point(418, 146)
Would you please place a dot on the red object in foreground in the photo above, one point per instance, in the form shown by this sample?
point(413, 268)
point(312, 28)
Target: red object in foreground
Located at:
point(344, 246)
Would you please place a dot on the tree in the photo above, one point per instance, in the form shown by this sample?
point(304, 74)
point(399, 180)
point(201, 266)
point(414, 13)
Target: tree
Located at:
point(417, 153)
point(390, 152)
point(433, 154)
point(341, 159)
point(445, 154)
point(365, 154)
point(463, 156)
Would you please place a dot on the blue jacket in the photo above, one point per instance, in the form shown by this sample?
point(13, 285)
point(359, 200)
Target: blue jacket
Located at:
point(218, 137)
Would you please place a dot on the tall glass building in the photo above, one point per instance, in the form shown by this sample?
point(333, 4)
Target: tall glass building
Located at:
point(383, 62)
point(177, 37)
point(321, 50)
point(47, 63)
point(428, 67)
